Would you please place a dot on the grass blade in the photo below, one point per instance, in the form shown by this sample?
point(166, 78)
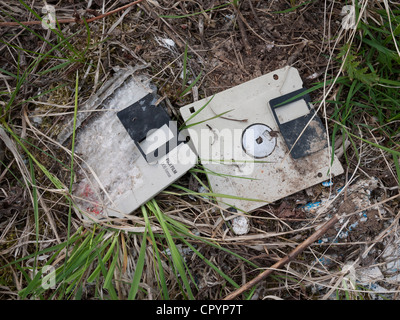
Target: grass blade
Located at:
point(139, 268)
point(155, 249)
point(104, 259)
point(196, 113)
point(175, 255)
point(35, 211)
point(191, 85)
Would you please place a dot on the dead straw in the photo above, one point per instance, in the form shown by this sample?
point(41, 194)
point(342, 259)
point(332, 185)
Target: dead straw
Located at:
point(70, 20)
point(292, 255)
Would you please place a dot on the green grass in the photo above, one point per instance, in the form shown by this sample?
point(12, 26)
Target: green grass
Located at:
point(185, 87)
point(369, 95)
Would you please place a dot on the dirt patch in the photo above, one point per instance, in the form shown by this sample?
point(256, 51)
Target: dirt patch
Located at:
point(218, 48)
point(368, 228)
point(286, 211)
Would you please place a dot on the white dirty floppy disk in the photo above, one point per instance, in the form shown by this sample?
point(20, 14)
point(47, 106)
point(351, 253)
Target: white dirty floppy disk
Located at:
point(131, 151)
point(260, 141)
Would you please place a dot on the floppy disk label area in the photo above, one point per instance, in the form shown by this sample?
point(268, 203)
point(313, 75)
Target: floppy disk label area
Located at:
point(262, 139)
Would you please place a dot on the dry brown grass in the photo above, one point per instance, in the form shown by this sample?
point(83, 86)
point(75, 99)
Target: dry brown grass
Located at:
point(228, 53)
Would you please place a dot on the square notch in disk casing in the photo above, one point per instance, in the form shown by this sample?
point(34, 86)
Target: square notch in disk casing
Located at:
point(298, 123)
point(150, 127)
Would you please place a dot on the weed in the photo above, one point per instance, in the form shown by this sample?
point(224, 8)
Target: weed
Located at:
point(369, 96)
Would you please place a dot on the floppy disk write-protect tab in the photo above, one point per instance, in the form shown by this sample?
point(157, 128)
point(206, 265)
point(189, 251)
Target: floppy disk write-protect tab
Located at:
point(260, 141)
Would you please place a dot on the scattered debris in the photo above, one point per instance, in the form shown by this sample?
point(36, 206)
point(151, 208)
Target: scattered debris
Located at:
point(357, 197)
point(327, 183)
point(219, 33)
point(311, 207)
point(380, 271)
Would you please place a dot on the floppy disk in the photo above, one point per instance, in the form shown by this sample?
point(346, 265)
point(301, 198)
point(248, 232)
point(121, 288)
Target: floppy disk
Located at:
point(131, 152)
point(260, 141)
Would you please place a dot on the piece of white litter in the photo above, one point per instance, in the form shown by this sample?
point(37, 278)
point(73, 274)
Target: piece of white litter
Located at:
point(369, 275)
point(169, 42)
point(165, 42)
point(313, 76)
point(240, 225)
point(391, 255)
point(270, 46)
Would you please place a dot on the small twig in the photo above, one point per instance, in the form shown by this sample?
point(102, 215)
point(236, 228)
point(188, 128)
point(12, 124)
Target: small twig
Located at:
point(242, 30)
point(291, 256)
point(70, 20)
point(257, 19)
point(255, 15)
